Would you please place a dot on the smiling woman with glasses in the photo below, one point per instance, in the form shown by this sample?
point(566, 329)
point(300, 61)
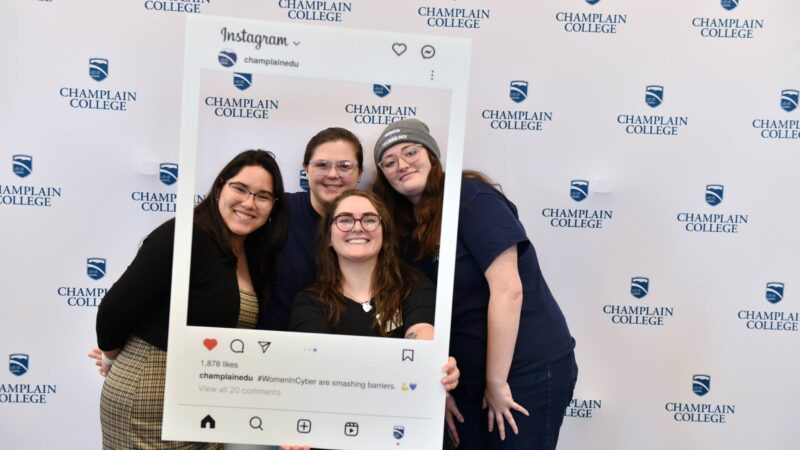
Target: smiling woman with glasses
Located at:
point(364, 288)
point(507, 330)
point(238, 229)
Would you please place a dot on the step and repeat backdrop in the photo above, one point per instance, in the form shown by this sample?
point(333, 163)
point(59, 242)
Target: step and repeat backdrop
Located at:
point(652, 148)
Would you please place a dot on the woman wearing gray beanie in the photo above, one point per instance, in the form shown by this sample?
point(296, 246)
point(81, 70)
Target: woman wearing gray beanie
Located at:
point(508, 334)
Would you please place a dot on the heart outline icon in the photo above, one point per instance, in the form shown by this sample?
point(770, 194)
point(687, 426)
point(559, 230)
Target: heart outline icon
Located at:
point(209, 343)
point(399, 48)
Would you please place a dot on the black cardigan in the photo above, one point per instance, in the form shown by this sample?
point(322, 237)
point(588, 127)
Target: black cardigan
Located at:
point(138, 303)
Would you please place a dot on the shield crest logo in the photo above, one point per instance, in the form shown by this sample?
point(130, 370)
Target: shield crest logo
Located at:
point(729, 4)
point(304, 181)
point(168, 173)
point(701, 384)
point(96, 268)
point(789, 99)
point(98, 68)
point(579, 190)
point(18, 363)
point(640, 286)
point(22, 165)
point(654, 95)
point(774, 291)
point(227, 58)
point(398, 431)
point(714, 193)
point(592, 2)
point(381, 90)
point(518, 90)
point(242, 80)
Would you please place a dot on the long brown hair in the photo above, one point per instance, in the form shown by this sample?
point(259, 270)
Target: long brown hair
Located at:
point(261, 246)
point(423, 224)
point(392, 280)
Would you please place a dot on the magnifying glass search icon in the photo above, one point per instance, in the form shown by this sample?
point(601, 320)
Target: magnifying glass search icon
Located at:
point(255, 422)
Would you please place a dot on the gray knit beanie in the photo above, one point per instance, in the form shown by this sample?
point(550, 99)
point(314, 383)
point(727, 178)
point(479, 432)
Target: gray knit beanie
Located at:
point(406, 130)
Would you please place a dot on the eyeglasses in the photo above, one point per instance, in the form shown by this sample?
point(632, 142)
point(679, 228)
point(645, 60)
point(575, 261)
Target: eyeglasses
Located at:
point(242, 192)
point(409, 154)
point(346, 222)
point(322, 167)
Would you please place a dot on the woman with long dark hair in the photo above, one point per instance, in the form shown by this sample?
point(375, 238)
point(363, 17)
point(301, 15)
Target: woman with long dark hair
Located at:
point(511, 340)
point(237, 231)
point(363, 287)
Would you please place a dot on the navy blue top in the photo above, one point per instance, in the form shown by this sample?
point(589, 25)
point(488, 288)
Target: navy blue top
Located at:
point(488, 224)
point(295, 267)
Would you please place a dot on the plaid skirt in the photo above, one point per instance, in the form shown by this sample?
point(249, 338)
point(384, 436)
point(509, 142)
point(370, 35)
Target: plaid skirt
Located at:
point(132, 401)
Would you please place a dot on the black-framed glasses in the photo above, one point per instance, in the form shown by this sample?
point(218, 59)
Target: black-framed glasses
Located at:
point(242, 191)
point(409, 154)
point(346, 222)
point(322, 167)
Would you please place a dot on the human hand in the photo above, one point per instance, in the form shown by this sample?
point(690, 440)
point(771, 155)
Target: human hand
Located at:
point(451, 414)
point(295, 447)
point(452, 374)
point(97, 355)
point(500, 403)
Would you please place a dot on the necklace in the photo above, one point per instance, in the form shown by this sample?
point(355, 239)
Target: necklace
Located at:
point(366, 306)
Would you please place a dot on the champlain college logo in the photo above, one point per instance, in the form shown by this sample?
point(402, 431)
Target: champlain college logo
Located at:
point(579, 190)
point(769, 319)
point(577, 218)
point(725, 26)
point(646, 124)
point(227, 57)
point(168, 173)
point(782, 127)
point(714, 194)
point(175, 6)
point(96, 268)
point(381, 90)
point(241, 107)
point(160, 202)
point(517, 120)
point(242, 81)
point(638, 314)
point(315, 11)
point(22, 165)
point(789, 98)
point(701, 384)
point(12, 393)
point(716, 221)
point(379, 113)
point(729, 4)
point(98, 99)
point(518, 91)
point(453, 17)
point(700, 412)
point(774, 292)
point(654, 95)
point(18, 363)
point(592, 21)
point(88, 296)
point(98, 68)
point(582, 408)
point(640, 286)
point(24, 195)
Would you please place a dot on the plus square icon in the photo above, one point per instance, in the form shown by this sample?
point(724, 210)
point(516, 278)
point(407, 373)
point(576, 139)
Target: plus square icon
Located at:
point(304, 426)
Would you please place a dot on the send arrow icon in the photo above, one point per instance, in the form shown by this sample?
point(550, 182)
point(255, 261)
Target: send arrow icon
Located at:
point(264, 346)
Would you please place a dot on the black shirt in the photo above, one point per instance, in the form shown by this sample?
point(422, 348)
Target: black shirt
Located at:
point(310, 315)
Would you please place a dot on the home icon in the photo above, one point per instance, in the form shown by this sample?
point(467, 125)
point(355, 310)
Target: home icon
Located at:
point(208, 422)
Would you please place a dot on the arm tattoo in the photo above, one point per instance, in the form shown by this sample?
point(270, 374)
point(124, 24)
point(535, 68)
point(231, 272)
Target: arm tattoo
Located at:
point(411, 336)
